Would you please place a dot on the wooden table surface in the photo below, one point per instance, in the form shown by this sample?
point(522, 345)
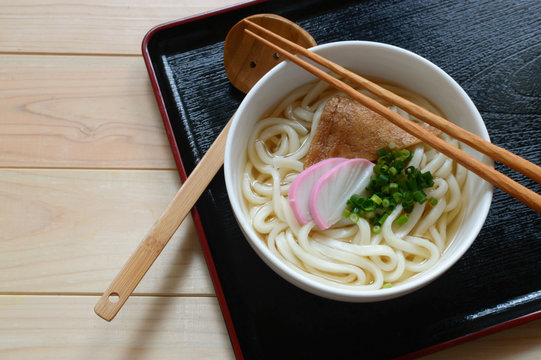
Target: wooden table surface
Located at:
point(85, 169)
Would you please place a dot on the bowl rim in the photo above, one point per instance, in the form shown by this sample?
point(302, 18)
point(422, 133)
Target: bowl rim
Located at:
point(297, 276)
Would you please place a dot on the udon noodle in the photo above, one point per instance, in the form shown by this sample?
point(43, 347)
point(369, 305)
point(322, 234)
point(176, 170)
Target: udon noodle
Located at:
point(347, 254)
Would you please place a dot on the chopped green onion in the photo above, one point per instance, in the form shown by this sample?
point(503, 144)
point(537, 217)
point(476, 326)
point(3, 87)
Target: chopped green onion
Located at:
point(376, 199)
point(419, 196)
point(370, 215)
point(402, 219)
point(376, 229)
point(392, 183)
point(346, 213)
point(355, 198)
point(354, 217)
point(398, 165)
point(383, 151)
point(429, 180)
point(407, 196)
point(387, 286)
point(368, 205)
point(433, 201)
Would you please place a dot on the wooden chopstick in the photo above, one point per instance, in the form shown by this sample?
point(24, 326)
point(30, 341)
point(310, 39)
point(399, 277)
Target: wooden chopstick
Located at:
point(497, 153)
point(525, 195)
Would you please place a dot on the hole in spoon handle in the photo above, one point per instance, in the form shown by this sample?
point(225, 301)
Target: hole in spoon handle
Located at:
point(113, 298)
point(109, 305)
point(141, 260)
point(126, 281)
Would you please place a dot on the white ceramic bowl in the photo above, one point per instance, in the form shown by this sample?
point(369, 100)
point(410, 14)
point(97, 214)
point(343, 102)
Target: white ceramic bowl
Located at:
point(380, 61)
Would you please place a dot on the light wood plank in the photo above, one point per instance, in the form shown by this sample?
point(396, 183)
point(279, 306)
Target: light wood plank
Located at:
point(72, 230)
point(89, 27)
point(65, 327)
point(79, 111)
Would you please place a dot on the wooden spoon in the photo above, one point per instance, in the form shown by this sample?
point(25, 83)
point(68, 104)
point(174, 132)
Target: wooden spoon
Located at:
point(245, 61)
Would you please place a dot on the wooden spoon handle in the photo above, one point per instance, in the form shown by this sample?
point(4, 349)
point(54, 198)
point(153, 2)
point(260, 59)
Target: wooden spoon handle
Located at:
point(163, 229)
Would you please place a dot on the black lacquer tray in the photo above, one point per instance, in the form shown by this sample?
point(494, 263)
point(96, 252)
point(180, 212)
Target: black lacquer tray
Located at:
point(493, 50)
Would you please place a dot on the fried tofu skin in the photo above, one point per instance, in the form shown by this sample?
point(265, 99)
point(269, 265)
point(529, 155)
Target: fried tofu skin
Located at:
point(350, 130)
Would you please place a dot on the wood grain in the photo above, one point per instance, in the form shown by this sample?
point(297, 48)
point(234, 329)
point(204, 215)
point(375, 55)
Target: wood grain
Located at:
point(72, 230)
point(64, 327)
point(83, 27)
point(87, 104)
point(79, 111)
point(246, 61)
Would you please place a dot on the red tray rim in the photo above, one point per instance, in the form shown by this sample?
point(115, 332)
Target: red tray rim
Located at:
point(199, 227)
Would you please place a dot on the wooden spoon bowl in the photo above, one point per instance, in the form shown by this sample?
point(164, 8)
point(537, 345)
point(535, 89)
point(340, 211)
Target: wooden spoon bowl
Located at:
point(247, 60)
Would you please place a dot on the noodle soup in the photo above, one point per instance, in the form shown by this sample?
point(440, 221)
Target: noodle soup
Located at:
point(266, 150)
point(348, 254)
